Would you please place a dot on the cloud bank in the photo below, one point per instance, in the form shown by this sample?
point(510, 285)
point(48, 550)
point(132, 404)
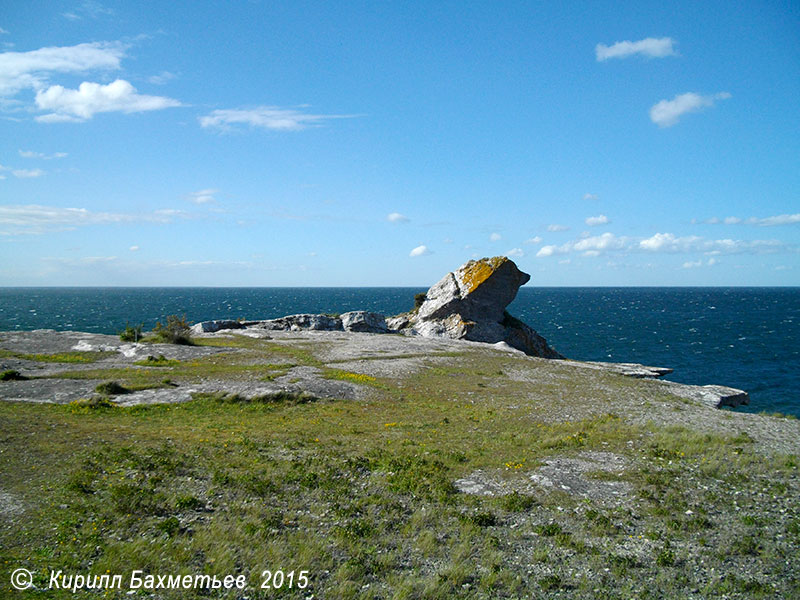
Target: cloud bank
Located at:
point(265, 117)
point(663, 243)
point(38, 219)
point(30, 70)
point(787, 219)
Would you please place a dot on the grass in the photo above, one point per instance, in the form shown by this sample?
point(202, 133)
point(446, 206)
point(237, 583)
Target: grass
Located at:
point(60, 357)
point(157, 361)
point(361, 493)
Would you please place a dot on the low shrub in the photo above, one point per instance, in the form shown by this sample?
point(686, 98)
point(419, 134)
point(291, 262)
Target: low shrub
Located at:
point(94, 402)
point(157, 361)
point(12, 375)
point(176, 331)
point(131, 333)
point(111, 388)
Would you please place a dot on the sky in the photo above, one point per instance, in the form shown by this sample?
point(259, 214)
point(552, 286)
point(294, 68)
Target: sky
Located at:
point(248, 143)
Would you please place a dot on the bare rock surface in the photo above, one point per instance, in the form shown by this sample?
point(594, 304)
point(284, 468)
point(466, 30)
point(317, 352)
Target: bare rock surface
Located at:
point(364, 321)
point(715, 396)
point(572, 475)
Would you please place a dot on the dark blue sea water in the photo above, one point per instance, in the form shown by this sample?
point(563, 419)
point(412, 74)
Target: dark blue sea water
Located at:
point(742, 337)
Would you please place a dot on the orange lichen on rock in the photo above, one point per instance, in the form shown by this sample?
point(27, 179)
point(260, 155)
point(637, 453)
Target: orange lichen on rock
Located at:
point(475, 272)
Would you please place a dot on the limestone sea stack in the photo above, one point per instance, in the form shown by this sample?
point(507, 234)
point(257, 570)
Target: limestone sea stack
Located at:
point(470, 304)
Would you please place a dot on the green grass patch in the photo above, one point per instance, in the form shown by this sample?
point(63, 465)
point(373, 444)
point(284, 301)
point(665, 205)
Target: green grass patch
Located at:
point(157, 361)
point(60, 357)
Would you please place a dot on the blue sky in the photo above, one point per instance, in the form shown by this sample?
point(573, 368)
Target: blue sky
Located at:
point(375, 143)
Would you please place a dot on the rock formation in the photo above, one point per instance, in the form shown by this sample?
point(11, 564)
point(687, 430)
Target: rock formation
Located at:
point(470, 304)
point(357, 320)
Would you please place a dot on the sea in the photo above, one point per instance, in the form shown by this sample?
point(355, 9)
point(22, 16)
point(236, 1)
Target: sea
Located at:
point(747, 338)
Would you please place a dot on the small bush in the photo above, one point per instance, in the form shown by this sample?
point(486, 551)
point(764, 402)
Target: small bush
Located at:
point(12, 375)
point(277, 397)
point(188, 502)
point(665, 558)
point(157, 361)
point(111, 388)
point(550, 583)
point(176, 331)
point(131, 333)
point(516, 502)
point(480, 519)
point(549, 530)
point(419, 299)
point(94, 402)
point(170, 526)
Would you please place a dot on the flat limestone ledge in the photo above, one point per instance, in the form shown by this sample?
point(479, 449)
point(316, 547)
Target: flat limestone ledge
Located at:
point(372, 354)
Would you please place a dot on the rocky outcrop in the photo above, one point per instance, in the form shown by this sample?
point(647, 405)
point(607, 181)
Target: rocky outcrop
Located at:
point(301, 322)
point(358, 320)
point(715, 396)
point(214, 326)
point(470, 304)
point(364, 321)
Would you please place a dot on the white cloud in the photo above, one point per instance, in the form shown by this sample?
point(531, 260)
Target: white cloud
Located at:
point(91, 98)
point(79, 262)
point(41, 155)
point(265, 117)
point(516, 252)
point(419, 251)
point(161, 78)
point(396, 217)
point(29, 70)
point(495, 237)
point(590, 197)
point(27, 173)
point(667, 113)
point(2, 31)
point(776, 220)
point(534, 240)
point(665, 243)
point(557, 227)
point(699, 263)
point(134, 248)
point(88, 9)
point(668, 242)
point(650, 47)
point(598, 220)
point(38, 219)
point(203, 196)
point(761, 222)
point(606, 241)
